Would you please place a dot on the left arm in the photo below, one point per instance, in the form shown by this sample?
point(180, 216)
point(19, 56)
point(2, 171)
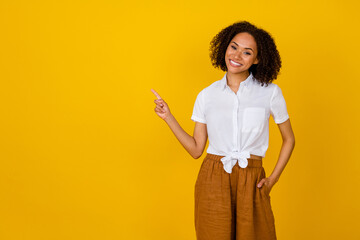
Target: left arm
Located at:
point(284, 156)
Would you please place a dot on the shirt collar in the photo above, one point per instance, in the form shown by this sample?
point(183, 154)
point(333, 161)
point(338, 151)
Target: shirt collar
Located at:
point(246, 82)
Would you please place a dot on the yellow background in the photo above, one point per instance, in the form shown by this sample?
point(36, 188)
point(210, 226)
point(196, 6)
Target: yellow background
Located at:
point(84, 156)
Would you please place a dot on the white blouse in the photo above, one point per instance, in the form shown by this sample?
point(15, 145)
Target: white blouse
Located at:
point(238, 124)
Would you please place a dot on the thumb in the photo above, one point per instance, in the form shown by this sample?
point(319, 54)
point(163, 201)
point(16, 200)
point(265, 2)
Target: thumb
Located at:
point(259, 185)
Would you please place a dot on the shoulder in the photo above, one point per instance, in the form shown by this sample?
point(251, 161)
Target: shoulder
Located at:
point(269, 88)
point(275, 89)
point(210, 89)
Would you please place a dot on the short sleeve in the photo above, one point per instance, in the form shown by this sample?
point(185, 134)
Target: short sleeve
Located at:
point(278, 108)
point(198, 114)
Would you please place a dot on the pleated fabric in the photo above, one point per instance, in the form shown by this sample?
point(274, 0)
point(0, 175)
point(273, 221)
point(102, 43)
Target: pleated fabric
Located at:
point(231, 206)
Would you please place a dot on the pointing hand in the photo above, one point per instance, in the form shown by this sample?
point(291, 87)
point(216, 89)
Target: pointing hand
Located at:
point(161, 109)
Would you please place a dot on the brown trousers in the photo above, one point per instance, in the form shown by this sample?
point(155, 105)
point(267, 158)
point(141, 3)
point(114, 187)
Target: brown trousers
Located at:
point(231, 206)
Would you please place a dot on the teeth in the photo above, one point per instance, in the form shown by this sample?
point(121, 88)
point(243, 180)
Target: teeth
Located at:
point(237, 64)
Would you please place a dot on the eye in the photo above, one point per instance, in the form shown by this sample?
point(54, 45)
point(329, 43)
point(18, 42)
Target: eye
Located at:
point(247, 53)
point(233, 47)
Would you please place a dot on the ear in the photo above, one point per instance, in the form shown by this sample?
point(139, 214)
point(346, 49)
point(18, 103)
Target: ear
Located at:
point(256, 61)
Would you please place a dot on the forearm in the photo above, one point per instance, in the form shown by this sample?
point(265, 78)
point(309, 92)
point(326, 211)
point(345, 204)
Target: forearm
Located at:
point(187, 141)
point(284, 156)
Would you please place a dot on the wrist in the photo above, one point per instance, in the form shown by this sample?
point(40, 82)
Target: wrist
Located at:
point(169, 118)
point(274, 179)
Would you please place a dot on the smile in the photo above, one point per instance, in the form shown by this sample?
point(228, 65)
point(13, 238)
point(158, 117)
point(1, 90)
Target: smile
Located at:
point(235, 64)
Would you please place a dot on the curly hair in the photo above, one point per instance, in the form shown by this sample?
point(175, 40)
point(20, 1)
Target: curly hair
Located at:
point(269, 63)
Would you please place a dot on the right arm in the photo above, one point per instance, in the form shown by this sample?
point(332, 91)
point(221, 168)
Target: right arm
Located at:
point(195, 144)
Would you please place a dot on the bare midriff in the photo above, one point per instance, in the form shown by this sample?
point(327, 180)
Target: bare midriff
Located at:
point(255, 157)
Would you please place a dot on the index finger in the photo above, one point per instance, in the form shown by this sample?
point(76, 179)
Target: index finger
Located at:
point(156, 94)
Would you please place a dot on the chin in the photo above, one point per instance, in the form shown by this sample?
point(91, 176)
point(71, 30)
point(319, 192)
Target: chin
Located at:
point(237, 70)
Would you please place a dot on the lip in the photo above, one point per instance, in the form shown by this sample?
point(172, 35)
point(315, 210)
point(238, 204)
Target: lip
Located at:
point(230, 61)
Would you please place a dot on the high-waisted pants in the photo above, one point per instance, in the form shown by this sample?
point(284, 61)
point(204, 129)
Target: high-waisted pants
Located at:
point(231, 206)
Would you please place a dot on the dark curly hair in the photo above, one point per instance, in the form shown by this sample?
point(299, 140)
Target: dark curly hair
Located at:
point(269, 63)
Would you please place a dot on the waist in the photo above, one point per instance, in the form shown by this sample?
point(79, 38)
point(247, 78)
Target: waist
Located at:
point(216, 157)
point(253, 161)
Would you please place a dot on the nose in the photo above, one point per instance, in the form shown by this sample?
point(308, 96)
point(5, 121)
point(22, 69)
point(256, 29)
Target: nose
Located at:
point(237, 55)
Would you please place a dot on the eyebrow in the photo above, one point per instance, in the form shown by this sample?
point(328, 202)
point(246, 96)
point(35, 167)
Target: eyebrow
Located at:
point(245, 48)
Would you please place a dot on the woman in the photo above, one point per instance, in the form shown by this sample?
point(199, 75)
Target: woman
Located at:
point(232, 198)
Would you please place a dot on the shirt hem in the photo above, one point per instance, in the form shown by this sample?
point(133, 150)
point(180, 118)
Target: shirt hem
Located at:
point(282, 120)
point(197, 119)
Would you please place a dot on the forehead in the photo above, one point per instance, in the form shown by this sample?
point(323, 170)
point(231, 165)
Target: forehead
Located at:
point(245, 40)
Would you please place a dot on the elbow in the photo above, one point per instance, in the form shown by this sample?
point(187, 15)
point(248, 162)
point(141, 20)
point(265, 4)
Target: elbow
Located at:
point(290, 140)
point(293, 139)
point(196, 151)
point(196, 154)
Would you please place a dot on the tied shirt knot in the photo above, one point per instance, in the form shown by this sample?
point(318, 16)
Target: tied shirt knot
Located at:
point(230, 160)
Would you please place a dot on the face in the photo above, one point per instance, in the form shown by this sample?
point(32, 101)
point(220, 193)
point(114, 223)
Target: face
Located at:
point(241, 53)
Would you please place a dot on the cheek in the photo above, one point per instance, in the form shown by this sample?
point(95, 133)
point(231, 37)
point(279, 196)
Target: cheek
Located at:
point(250, 59)
point(254, 60)
point(227, 53)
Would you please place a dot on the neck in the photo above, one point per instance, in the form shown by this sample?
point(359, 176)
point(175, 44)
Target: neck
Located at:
point(234, 79)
